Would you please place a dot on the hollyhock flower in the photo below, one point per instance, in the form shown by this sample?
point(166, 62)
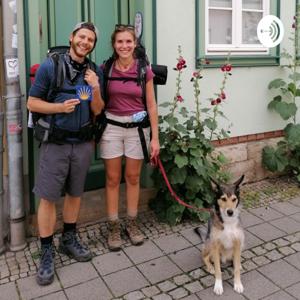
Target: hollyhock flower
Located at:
point(179, 98)
point(218, 100)
point(213, 102)
point(223, 96)
point(294, 25)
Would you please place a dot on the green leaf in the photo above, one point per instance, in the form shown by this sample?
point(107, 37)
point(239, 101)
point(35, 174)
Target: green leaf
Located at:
point(295, 76)
point(205, 110)
point(181, 160)
point(172, 121)
point(293, 134)
point(276, 83)
point(274, 159)
point(286, 110)
point(274, 102)
point(211, 124)
point(178, 176)
point(184, 112)
point(165, 104)
point(292, 88)
point(297, 93)
point(180, 128)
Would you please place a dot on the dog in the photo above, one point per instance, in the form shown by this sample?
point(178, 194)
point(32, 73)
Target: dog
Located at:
point(225, 236)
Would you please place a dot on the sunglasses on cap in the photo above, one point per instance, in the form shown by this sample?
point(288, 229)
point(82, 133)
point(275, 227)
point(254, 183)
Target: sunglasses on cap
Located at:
point(124, 26)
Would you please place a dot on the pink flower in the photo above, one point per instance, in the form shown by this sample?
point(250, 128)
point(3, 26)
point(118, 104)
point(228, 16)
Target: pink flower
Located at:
point(218, 100)
point(223, 96)
point(226, 68)
point(213, 102)
point(294, 25)
point(179, 66)
point(179, 98)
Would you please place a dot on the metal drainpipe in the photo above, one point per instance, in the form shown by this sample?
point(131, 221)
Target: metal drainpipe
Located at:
point(2, 247)
point(14, 126)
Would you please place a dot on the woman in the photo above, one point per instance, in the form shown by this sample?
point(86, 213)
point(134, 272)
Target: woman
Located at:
point(124, 104)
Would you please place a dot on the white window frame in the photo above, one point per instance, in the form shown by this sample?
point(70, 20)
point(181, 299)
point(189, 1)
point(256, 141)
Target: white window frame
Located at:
point(236, 47)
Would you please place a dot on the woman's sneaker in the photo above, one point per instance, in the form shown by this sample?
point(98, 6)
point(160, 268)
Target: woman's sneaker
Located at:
point(133, 231)
point(45, 274)
point(114, 235)
point(70, 245)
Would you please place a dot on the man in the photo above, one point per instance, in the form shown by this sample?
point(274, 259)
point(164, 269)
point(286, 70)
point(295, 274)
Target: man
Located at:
point(66, 149)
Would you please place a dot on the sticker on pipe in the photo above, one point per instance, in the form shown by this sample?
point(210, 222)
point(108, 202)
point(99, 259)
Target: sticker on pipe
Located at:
point(12, 67)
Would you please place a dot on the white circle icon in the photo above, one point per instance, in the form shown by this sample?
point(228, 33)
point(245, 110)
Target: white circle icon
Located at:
point(270, 31)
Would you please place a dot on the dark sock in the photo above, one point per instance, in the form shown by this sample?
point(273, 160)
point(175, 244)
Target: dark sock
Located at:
point(46, 240)
point(69, 227)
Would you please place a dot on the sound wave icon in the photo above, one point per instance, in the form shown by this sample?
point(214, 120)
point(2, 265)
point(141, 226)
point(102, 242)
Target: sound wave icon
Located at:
point(274, 31)
point(270, 31)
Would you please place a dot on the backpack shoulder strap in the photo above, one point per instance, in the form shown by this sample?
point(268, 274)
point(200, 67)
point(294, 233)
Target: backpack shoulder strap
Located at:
point(141, 79)
point(107, 70)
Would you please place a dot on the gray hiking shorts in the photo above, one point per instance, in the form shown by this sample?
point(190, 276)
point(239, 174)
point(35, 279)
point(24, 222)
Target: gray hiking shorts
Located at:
point(62, 168)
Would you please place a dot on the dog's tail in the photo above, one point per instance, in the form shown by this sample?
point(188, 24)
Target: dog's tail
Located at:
point(198, 231)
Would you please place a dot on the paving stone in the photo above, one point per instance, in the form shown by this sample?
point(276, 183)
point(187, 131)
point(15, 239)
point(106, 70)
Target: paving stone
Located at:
point(274, 255)
point(166, 286)
point(281, 295)
point(92, 290)
point(162, 297)
point(266, 232)
point(286, 251)
point(151, 291)
point(259, 250)
point(178, 293)
point(228, 294)
point(76, 273)
point(208, 280)
point(193, 287)
point(251, 240)
point(29, 289)
point(281, 242)
point(295, 201)
point(191, 236)
point(294, 260)
point(125, 281)
point(181, 279)
point(294, 290)
point(281, 273)
point(287, 224)
point(137, 295)
point(296, 217)
point(296, 246)
point(247, 254)
point(248, 265)
point(260, 260)
point(197, 273)
point(248, 219)
point(187, 259)
point(111, 262)
point(257, 286)
point(159, 269)
point(9, 291)
point(269, 246)
point(55, 296)
point(143, 253)
point(286, 208)
point(191, 297)
point(172, 243)
point(266, 213)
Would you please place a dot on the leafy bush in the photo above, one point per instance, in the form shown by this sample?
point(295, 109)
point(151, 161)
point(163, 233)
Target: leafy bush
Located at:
point(286, 156)
point(187, 151)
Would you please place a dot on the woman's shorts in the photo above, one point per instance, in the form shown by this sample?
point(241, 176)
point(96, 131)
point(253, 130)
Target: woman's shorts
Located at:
point(117, 141)
point(62, 168)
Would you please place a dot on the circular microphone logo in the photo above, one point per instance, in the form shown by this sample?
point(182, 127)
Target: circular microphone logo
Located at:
point(270, 31)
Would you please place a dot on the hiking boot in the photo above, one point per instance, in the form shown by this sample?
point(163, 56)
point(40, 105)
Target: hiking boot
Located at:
point(70, 245)
point(114, 235)
point(134, 233)
point(45, 274)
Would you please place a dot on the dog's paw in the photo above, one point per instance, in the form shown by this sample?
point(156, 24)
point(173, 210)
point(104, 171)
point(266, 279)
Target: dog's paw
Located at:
point(238, 287)
point(211, 270)
point(218, 288)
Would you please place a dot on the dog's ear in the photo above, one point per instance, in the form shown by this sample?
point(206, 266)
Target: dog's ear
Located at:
point(214, 184)
point(239, 181)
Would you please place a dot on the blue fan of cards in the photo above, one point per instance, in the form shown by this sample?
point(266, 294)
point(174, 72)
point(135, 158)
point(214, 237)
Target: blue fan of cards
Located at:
point(84, 92)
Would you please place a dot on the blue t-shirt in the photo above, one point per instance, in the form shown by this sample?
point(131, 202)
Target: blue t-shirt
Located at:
point(41, 87)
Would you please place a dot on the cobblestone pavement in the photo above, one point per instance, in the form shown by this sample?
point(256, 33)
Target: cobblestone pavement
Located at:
point(168, 264)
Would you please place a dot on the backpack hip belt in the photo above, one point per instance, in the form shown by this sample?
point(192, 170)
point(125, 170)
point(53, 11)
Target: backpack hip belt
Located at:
point(139, 125)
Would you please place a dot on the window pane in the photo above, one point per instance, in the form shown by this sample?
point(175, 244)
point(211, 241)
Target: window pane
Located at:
point(252, 4)
point(250, 22)
point(220, 3)
point(220, 26)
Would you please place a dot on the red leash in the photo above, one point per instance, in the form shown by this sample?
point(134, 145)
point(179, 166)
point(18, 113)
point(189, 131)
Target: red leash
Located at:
point(157, 162)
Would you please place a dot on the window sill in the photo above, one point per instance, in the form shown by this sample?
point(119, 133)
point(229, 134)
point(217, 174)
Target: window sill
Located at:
point(239, 61)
